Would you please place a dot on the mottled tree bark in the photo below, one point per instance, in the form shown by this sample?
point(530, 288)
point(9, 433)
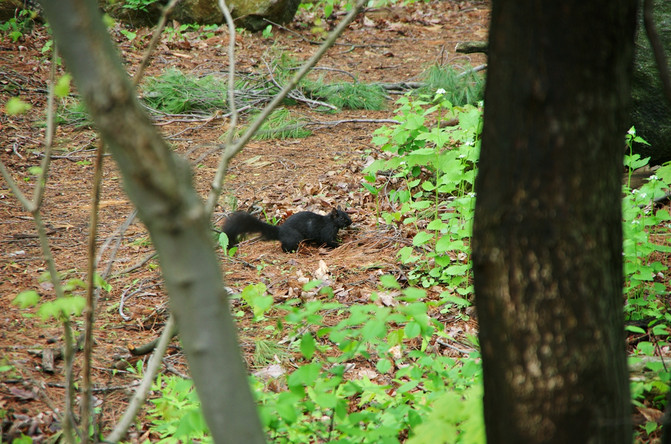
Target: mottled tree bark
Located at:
point(547, 242)
point(159, 184)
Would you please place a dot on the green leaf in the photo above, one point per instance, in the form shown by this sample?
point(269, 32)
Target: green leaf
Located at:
point(414, 121)
point(436, 225)
point(428, 186)
point(374, 328)
point(421, 238)
point(412, 329)
point(108, 21)
point(287, 406)
point(655, 366)
point(371, 189)
point(256, 298)
point(223, 241)
point(646, 348)
point(62, 308)
point(312, 284)
point(456, 300)
point(305, 375)
point(395, 337)
point(27, 298)
point(99, 282)
point(389, 281)
point(62, 87)
point(421, 205)
point(660, 330)
point(445, 243)
point(413, 294)
point(325, 400)
point(383, 365)
point(308, 345)
point(379, 140)
point(15, 106)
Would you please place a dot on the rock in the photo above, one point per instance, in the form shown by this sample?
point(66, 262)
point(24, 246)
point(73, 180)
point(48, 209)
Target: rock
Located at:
point(249, 14)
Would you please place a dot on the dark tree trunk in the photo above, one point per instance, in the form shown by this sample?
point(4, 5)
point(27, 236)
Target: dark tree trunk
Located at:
point(547, 242)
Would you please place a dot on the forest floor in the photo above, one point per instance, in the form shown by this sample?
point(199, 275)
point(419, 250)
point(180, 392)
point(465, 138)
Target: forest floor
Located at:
point(316, 173)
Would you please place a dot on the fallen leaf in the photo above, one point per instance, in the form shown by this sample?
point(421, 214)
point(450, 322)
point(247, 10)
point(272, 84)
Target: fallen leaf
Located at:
point(651, 415)
point(22, 394)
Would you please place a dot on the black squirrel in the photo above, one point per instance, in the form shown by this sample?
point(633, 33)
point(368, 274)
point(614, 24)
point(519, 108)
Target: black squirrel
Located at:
point(299, 227)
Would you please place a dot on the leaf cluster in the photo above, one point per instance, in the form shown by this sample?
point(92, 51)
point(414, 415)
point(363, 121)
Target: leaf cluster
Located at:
point(430, 171)
point(328, 397)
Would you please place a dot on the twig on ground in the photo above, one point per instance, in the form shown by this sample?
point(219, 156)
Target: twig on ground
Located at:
point(139, 264)
point(118, 235)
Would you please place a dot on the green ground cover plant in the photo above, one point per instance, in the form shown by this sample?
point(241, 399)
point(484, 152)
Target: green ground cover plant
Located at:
point(423, 182)
point(322, 401)
point(461, 88)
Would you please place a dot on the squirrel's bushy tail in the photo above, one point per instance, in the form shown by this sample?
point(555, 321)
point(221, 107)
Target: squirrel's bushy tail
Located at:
point(241, 222)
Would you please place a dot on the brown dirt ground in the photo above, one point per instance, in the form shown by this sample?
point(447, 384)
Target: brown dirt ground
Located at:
point(281, 176)
point(315, 173)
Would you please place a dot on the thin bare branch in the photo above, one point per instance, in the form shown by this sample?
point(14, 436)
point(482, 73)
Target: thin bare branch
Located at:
point(89, 310)
point(14, 188)
point(141, 392)
point(118, 235)
point(231, 74)
point(38, 194)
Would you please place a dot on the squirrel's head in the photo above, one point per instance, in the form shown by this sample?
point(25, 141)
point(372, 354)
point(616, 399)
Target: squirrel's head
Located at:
point(341, 218)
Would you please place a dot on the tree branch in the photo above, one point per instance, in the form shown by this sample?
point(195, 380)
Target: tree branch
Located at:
point(89, 310)
point(141, 391)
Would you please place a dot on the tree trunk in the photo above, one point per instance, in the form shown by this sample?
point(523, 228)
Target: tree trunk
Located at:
point(547, 241)
point(159, 184)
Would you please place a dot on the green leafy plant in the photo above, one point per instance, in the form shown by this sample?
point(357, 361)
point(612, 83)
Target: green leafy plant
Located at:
point(17, 26)
point(258, 300)
point(73, 112)
point(60, 308)
point(15, 106)
point(138, 5)
point(176, 414)
point(130, 35)
point(360, 408)
point(401, 383)
point(462, 88)
point(281, 124)
point(348, 95)
point(432, 170)
point(223, 241)
point(642, 223)
point(174, 92)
